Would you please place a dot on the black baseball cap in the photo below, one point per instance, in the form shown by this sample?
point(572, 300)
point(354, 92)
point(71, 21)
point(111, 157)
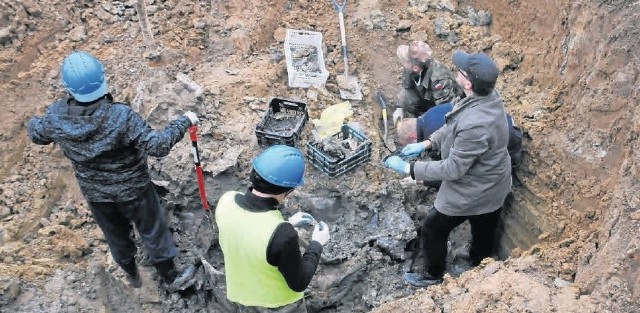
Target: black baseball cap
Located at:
point(481, 70)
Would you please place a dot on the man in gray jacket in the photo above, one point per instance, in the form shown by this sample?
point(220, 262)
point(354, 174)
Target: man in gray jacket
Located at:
point(108, 143)
point(475, 168)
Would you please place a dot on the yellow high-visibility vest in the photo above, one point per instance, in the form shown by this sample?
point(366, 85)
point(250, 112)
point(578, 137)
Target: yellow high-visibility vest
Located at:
point(244, 237)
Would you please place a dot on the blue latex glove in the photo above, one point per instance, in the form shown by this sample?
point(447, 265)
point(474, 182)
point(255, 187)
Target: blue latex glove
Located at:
point(301, 219)
point(397, 164)
point(413, 149)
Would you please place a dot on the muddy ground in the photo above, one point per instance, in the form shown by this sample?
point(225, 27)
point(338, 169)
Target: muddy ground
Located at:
point(569, 76)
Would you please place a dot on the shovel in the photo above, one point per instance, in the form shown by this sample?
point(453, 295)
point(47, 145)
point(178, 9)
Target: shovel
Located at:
point(383, 105)
point(349, 87)
point(206, 230)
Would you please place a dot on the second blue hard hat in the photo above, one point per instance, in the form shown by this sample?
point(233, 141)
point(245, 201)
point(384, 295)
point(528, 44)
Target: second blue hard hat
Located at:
point(281, 165)
point(83, 76)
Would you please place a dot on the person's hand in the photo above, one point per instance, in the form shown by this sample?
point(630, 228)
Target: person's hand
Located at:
point(414, 149)
point(192, 117)
point(398, 114)
point(408, 182)
point(397, 164)
point(301, 219)
point(321, 233)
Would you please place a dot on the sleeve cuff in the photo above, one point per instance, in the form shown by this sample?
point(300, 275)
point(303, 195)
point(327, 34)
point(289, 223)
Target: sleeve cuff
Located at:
point(411, 172)
point(314, 246)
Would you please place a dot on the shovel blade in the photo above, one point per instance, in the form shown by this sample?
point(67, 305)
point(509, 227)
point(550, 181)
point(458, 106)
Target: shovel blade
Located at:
point(210, 271)
point(349, 87)
point(205, 233)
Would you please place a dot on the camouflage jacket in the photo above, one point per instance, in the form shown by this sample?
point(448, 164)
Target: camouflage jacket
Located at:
point(107, 144)
point(438, 84)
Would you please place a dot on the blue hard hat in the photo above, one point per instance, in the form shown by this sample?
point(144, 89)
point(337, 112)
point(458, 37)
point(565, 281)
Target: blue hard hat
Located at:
point(83, 76)
point(281, 165)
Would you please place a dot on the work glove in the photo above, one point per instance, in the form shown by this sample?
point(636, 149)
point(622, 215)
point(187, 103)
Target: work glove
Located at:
point(398, 114)
point(397, 164)
point(192, 117)
point(301, 219)
point(321, 233)
point(408, 182)
point(413, 149)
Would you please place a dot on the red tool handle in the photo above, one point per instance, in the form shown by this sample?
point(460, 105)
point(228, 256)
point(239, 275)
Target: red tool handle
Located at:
point(196, 160)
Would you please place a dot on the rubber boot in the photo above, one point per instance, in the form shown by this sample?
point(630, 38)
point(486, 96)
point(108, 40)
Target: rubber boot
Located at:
point(173, 279)
point(133, 275)
point(421, 279)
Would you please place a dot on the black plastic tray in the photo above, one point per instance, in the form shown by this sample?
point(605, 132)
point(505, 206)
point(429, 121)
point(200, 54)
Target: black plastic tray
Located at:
point(271, 131)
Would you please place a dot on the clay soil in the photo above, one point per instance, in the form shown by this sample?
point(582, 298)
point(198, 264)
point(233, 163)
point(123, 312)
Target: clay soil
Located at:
point(569, 76)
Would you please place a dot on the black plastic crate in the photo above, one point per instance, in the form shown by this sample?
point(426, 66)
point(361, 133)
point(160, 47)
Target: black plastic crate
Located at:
point(283, 123)
point(335, 165)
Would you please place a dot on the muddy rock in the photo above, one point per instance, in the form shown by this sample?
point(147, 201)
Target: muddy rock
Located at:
point(376, 20)
point(425, 5)
point(78, 34)
point(404, 25)
point(479, 18)
point(6, 35)
point(506, 56)
point(9, 290)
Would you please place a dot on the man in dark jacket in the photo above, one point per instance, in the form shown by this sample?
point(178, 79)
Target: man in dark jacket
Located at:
point(264, 268)
point(425, 81)
point(475, 169)
point(108, 143)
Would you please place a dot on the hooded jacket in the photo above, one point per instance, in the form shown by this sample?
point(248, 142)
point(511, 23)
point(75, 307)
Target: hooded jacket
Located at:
point(475, 168)
point(107, 144)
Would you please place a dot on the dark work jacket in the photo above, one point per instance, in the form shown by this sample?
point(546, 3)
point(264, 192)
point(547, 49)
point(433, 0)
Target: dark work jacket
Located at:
point(438, 84)
point(107, 144)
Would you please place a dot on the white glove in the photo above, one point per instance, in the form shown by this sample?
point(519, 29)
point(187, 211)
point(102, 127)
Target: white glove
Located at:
point(321, 233)
point(192, 117)
point(301, 219)
point(408, 182)
point(398, 115)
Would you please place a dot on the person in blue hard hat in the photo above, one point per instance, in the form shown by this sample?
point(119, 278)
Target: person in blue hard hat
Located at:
point(475, 168)
point(264, 268)
point(108, 144)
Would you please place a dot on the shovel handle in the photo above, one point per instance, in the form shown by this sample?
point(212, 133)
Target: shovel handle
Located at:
point(198, 167)
point(343, 37)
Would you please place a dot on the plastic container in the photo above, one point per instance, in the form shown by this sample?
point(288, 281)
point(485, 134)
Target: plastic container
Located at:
point(335, 166)
point(305, 60)
point(282, 123)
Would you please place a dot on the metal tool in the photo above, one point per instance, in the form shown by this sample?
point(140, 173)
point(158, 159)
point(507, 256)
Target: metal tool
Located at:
point(205, 233)
point(349, 86)
point(206, 229)
point(198, 168)
point(153, 49)
point(383, 104)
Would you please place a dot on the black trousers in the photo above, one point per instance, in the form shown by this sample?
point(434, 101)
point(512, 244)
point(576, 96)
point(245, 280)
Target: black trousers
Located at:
point(115, 218)
point(435, 231)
